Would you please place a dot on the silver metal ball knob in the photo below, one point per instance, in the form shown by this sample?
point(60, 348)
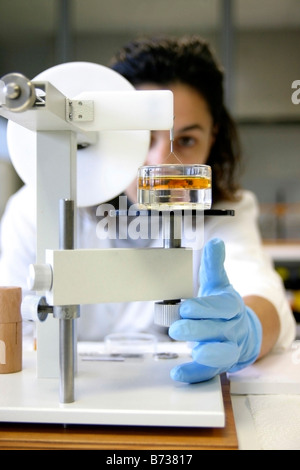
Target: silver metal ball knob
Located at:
point(18, 92)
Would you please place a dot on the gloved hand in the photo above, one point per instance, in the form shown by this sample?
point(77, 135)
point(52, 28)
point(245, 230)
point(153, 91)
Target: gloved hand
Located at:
point(227, 332)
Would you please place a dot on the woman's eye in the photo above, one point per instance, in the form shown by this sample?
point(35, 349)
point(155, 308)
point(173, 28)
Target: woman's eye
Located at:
point(186, 141)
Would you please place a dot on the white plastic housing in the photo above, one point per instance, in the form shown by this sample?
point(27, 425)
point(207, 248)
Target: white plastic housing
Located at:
point(96, 276)
point(129, 110)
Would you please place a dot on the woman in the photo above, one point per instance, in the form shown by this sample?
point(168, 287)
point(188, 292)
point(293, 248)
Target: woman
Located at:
point(205, 133)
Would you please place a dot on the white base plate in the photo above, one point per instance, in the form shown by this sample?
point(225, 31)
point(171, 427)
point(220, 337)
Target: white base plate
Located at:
point(133, 392)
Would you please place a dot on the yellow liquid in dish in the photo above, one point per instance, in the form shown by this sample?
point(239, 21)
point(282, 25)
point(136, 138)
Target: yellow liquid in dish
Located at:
point(160, 183)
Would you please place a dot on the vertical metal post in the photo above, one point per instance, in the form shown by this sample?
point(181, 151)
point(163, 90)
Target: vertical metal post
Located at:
point(64, 31)
point(227, 49)
point(67, 314)
point(66, 226)
point(67, 360)
point(167, 311)
point(172, 227)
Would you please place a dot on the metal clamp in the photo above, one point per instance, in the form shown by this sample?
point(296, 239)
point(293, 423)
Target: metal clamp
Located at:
point(79, 110)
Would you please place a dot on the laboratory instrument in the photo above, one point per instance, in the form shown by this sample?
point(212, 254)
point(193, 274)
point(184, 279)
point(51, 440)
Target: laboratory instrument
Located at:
point(50, 118)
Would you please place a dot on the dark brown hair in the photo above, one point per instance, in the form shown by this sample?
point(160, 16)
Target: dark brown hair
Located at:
point(189, 60)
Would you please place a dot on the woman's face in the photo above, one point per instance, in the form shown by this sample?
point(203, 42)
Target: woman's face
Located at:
point(194, 132)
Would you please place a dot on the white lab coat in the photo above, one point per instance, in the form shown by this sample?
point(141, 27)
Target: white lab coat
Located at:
point(247, 265)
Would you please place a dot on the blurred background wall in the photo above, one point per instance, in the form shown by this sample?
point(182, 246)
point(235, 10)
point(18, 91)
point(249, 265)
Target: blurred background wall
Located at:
point(258, 41)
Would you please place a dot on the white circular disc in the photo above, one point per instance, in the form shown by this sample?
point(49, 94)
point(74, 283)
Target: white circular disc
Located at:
point(104, 169)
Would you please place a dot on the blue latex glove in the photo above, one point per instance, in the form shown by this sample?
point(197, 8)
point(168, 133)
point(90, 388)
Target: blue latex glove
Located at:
point(228, 334)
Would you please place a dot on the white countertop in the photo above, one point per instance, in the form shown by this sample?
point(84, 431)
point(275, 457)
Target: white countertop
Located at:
point(266, 402)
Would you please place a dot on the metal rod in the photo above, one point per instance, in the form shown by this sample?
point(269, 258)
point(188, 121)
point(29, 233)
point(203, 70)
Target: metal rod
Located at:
point(227, 49)
point(64, 46)
point(66, 225)
point(66, 358)
point(67, 313)
point(172, 140)
point(172, 226)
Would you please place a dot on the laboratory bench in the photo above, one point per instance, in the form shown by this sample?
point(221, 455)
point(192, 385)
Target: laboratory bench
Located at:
point(261, 408)
point(51, 435)
point(20, 436)
point(261, 404)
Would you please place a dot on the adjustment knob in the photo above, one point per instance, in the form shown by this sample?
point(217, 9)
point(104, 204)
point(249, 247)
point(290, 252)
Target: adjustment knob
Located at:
point(17, 92)
point(35, 308)
point(166, 312)
point(40, 277)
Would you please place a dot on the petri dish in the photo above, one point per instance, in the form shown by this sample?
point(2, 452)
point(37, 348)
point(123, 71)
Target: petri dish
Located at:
point(175, 186)
point(128, 344)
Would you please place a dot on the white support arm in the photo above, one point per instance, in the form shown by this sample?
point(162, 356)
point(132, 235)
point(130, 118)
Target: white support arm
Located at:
point(118, 275)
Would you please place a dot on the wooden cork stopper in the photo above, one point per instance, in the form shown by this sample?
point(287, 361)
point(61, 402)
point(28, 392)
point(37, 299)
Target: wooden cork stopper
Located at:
point(10, 330)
